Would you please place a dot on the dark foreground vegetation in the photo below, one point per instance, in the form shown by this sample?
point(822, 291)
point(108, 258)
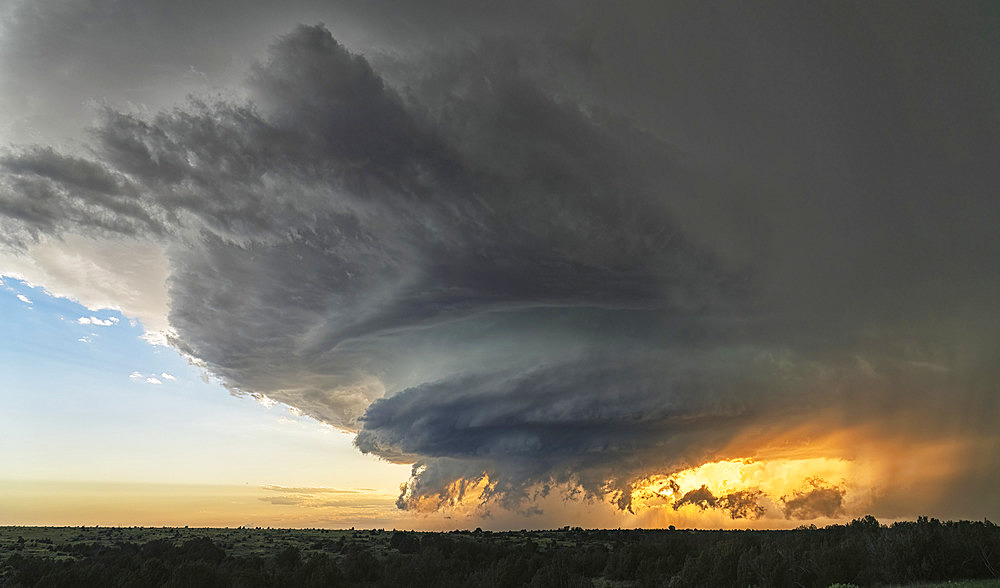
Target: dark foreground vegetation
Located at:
point(860, 553)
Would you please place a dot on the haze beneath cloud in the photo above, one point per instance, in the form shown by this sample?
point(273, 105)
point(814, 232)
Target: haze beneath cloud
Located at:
point(553, 249)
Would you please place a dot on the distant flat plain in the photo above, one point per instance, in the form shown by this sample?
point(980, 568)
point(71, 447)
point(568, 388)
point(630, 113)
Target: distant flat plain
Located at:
point(860, 554)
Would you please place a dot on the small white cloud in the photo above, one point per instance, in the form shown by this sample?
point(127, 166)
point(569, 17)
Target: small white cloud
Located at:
point(24, 299)
point(156, 338)
point(83, 340)
point(136, 376)
point(93, 320)
point(153, 381)
point(167, 376)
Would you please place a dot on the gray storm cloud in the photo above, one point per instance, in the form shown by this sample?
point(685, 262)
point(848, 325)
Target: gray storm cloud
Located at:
point(820, 499)
point(742, 504)
point(489, 266)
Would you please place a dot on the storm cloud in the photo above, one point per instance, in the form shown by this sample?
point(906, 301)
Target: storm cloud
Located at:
point(509, 265)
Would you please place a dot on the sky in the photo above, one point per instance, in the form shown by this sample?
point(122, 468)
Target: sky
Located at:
point(445, 264)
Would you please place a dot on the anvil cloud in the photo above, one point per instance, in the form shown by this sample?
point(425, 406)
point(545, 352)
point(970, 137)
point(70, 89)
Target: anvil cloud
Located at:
point(507, 260)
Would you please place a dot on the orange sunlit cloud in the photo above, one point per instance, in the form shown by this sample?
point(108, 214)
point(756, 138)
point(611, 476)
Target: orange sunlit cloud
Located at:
point(804, 476)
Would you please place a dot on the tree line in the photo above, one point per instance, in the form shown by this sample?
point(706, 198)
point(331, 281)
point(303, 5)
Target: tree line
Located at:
point(862, 553)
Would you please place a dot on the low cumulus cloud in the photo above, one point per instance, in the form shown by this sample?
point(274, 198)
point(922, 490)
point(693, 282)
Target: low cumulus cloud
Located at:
point(741, 504)
point(153, 379)
point(97, 322)
point(509, 288)
point(818, 499)
point(700, 497)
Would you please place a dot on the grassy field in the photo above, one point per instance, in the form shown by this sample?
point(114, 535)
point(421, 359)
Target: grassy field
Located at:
point(956, 584)
point(857, 554)
point(238, 542)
